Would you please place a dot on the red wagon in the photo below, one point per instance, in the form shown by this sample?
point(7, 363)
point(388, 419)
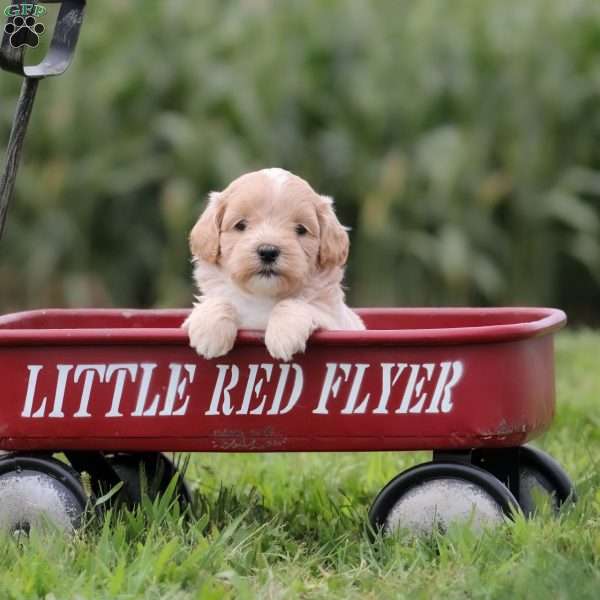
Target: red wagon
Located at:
point(112, 389)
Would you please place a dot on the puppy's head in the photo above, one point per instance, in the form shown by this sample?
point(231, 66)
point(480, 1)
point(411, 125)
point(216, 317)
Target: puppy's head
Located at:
point(269, 231)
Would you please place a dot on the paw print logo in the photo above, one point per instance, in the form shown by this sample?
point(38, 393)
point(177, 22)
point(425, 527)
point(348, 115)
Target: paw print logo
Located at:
point(24, 31)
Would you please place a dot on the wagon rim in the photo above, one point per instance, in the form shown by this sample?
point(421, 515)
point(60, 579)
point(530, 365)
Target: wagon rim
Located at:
point(422, 327)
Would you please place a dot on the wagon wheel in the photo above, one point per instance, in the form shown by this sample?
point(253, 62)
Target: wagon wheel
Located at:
point(37, 492)
point(435, 495)
point(151, 472)
point(542, 479)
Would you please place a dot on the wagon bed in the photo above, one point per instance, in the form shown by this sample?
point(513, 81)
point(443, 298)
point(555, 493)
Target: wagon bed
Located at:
point(126, 380)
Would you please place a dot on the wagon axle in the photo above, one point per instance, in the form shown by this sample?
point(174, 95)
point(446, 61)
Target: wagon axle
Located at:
point(39, 491)
point(483, 487)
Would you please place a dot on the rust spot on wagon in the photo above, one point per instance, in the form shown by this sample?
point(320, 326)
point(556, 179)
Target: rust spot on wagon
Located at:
point(265, 438)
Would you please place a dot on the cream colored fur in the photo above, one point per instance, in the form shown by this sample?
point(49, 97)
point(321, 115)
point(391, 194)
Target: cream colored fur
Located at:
point(301, 291)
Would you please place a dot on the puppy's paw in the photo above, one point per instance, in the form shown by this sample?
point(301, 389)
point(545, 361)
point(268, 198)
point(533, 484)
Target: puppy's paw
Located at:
point(287, 332)
point(283, 343)
point(212, 332)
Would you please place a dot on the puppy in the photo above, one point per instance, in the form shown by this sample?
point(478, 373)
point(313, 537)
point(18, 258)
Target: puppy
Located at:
point(269, 254)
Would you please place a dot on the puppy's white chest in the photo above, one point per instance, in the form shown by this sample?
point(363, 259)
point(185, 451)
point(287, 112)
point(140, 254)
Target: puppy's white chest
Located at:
point(253, 312)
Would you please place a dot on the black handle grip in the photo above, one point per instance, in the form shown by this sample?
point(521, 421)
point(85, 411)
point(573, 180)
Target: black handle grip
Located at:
point(62, 46)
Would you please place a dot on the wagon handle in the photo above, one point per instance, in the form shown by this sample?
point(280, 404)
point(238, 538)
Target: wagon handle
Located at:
point(56, 61)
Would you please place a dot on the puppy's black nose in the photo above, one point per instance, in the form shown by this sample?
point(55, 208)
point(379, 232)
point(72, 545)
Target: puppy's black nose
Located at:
point(268, 254)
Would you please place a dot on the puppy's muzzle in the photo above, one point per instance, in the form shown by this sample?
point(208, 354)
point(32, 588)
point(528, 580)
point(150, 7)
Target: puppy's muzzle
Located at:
point(268, 254)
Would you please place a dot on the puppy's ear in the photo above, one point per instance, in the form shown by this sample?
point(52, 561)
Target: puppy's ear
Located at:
point(204, 237)
point(334, 243)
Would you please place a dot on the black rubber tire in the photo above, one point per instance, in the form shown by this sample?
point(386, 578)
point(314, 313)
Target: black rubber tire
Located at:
point(409, 480)
point(539, 471)
point(56, 482)
point(159, 471)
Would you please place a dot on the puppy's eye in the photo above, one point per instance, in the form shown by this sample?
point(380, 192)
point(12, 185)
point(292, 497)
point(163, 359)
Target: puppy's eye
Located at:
point(301, 230)
point(240, 225)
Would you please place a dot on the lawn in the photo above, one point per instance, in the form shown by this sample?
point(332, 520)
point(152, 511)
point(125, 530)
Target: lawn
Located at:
point(292, 526)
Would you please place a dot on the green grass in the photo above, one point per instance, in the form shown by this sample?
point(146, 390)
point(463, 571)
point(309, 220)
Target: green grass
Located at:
point(292, 526)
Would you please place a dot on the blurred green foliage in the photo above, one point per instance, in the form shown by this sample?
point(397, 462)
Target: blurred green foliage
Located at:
point(460, 139)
